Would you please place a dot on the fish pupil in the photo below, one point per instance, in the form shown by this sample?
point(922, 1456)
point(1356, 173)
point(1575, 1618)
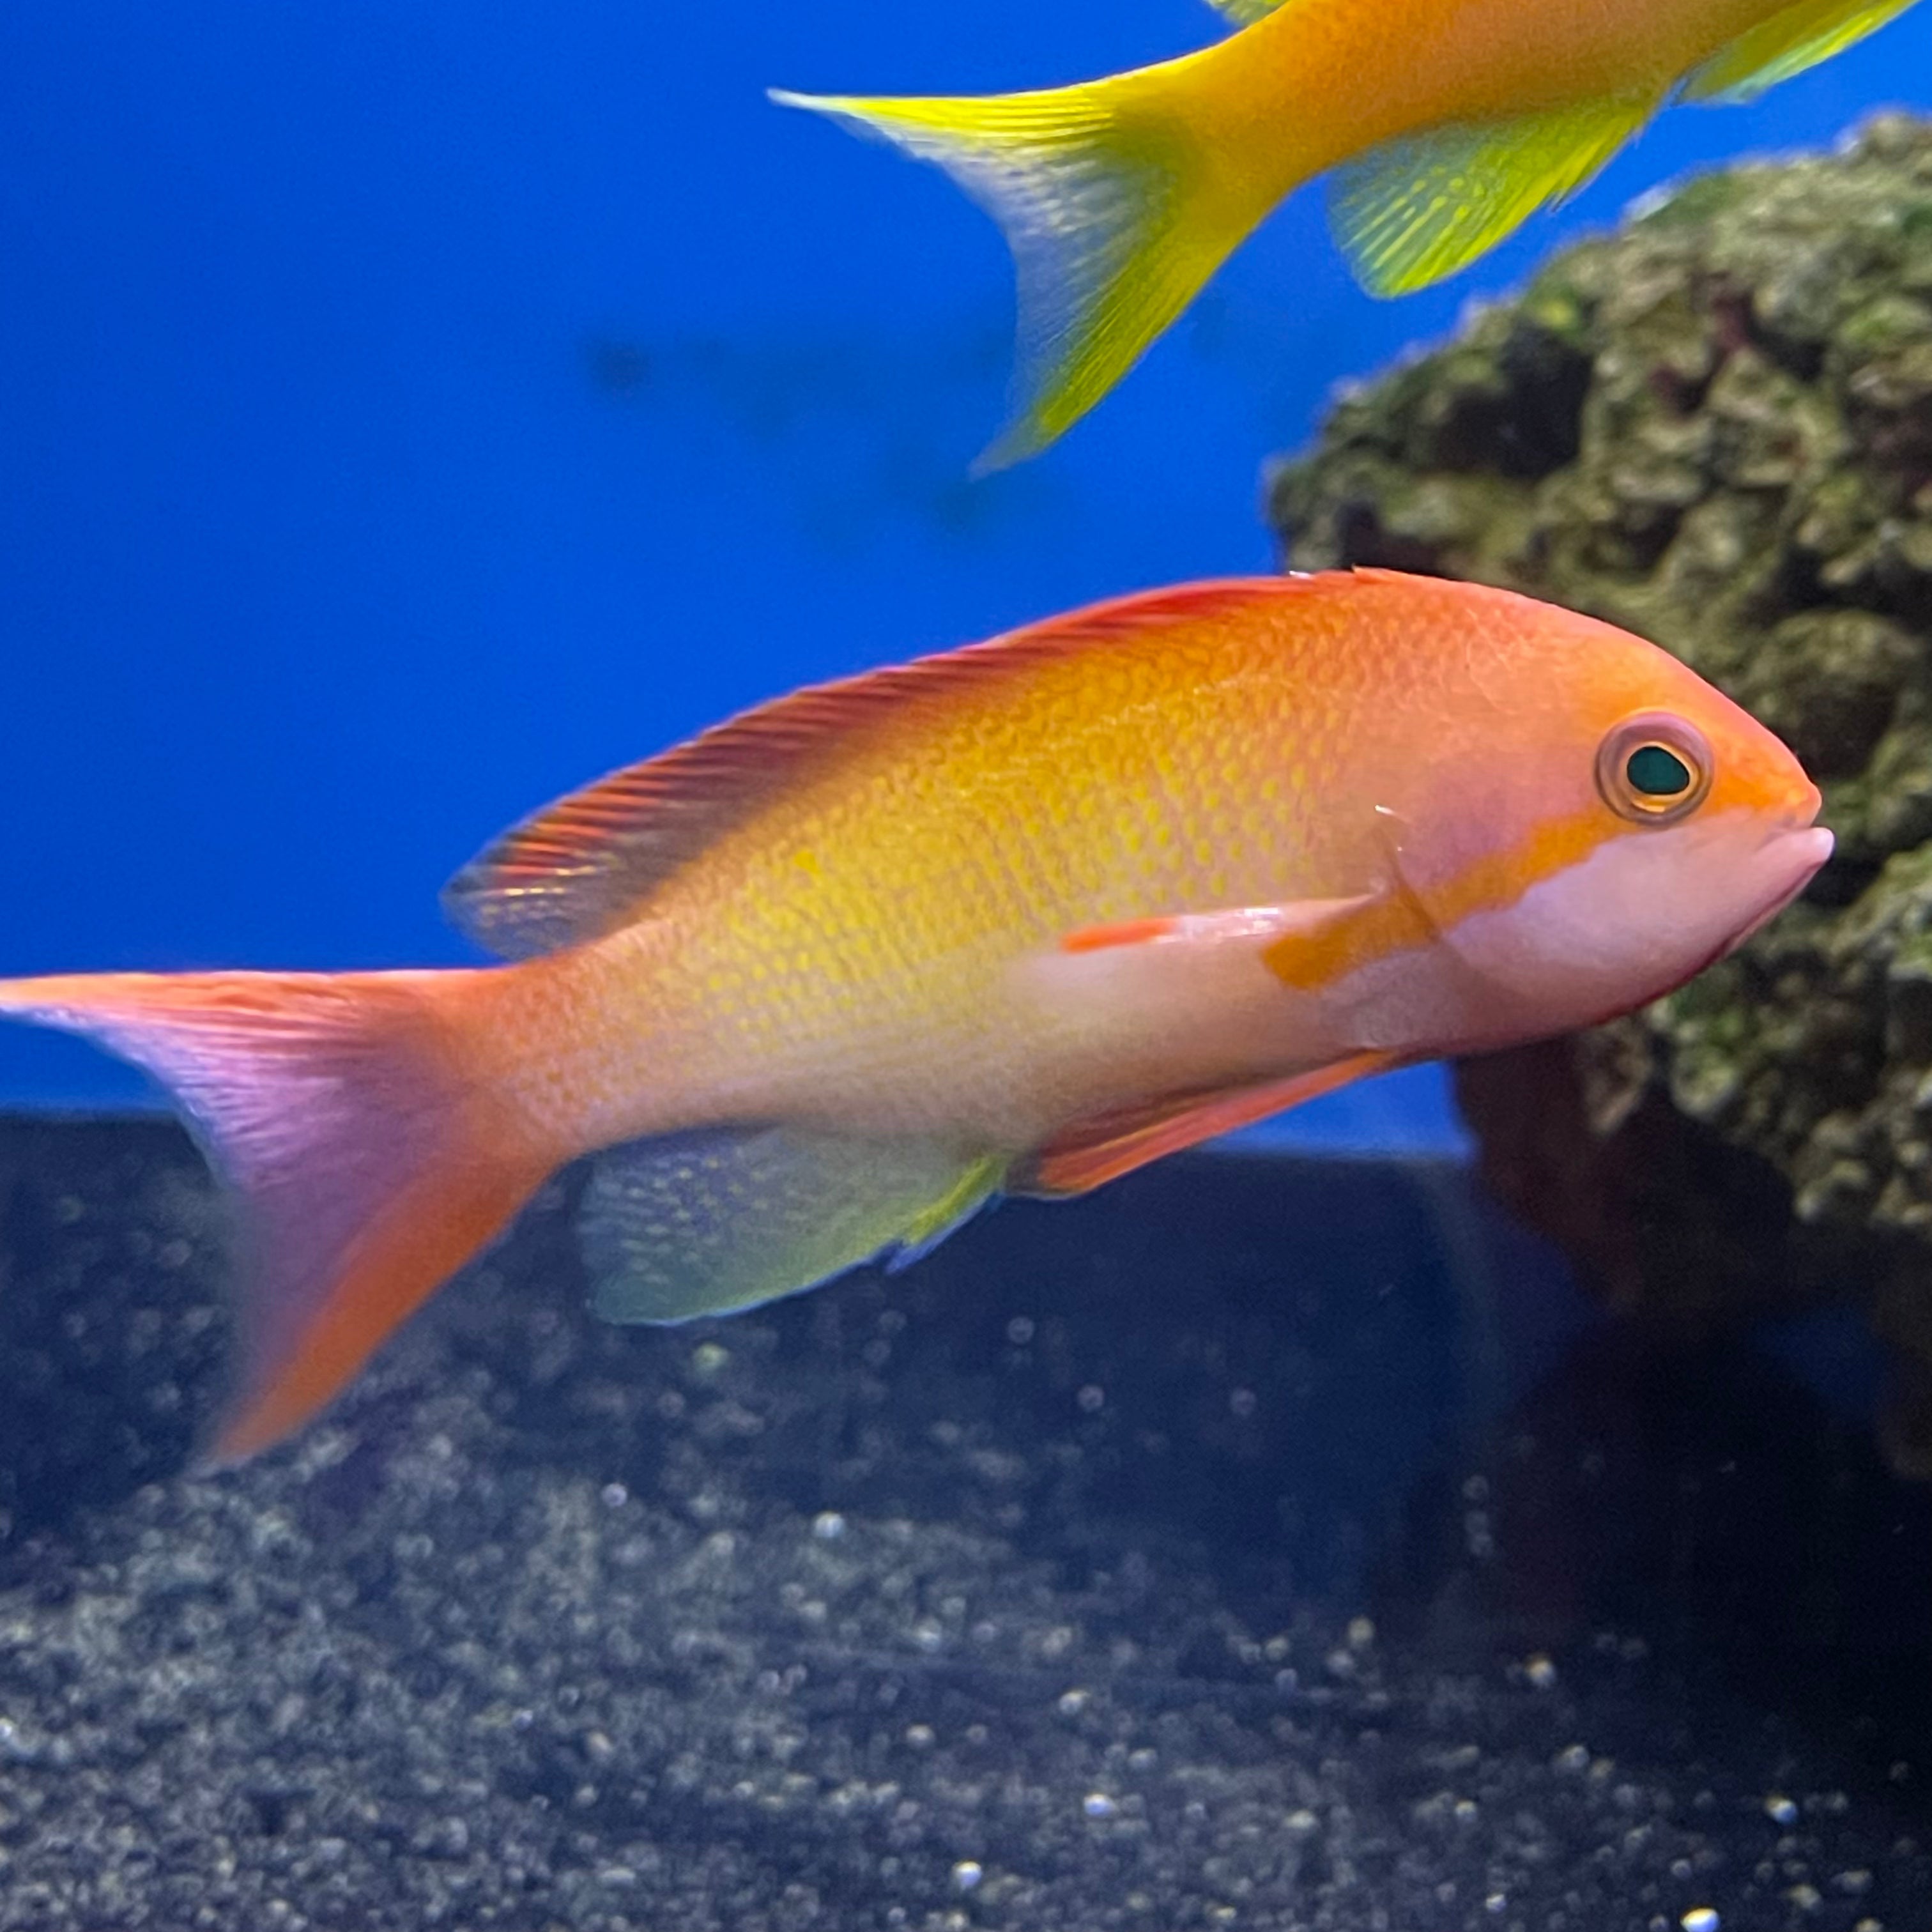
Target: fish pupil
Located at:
point(1657, 773)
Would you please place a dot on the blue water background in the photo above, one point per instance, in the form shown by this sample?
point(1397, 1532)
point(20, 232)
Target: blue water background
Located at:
point(411, 412)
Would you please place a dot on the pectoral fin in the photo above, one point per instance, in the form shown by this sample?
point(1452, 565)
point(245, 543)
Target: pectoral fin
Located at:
point(1146, 977)
point(704, 1223)
point(1094, 1152)
point(1417, 210)
point(1802, 36)
point(1145, 973)
point(1244, 12)
point(1252, 927)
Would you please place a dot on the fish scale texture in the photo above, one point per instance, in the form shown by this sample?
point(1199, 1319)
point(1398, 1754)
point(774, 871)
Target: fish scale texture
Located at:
point(887, 849)
point(1201, 763)
point(1715, 428)
point(1150, 1562)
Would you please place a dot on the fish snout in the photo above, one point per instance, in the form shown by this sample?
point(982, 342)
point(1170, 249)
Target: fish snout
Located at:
point(1804, 813)
point(1794, 839)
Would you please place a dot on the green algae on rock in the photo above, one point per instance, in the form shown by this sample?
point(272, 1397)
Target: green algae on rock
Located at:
point(1715, 427)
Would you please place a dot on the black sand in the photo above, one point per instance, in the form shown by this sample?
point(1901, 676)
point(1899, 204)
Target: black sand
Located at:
point(1260, 1543)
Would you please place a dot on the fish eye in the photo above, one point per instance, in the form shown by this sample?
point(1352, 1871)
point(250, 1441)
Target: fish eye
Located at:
point(1656, 772)
point(1655, 769)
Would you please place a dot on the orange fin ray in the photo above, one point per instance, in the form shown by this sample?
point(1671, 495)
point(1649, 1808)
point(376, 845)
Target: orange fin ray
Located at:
point(1092, 1153)
point(1127, 932)
point(364, 1169)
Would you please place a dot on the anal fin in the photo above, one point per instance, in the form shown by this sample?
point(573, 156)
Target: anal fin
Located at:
point(704, 1223)
point(1802, 36)
point(1093, 1152)
point(1418, 209)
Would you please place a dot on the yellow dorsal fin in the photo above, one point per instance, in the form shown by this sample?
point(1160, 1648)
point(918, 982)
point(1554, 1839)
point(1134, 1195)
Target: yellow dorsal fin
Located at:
point(1417, 210)
point(1800, 37)
point(585, 865)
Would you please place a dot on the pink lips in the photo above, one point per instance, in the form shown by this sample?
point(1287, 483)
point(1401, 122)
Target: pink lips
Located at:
point(1813, 844)
point(1800, 852)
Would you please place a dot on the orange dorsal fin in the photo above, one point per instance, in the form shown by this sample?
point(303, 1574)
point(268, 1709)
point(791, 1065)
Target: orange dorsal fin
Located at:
point(365, 1166)
point(1092, 1153)
point(590, 864)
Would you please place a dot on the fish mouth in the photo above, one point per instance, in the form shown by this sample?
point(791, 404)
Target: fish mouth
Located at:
point(1793, 854)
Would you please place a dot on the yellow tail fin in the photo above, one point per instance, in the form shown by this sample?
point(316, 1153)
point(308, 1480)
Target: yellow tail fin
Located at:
point(1114, 211)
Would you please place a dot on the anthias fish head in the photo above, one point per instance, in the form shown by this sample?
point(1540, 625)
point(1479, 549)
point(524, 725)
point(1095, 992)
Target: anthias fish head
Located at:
point(1637, 826)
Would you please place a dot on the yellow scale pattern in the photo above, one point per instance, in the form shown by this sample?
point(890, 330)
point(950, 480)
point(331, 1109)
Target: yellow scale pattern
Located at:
point(852, 941)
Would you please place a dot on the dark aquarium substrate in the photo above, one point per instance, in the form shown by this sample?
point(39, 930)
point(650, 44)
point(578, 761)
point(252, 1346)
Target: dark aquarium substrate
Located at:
point(1262, 1542)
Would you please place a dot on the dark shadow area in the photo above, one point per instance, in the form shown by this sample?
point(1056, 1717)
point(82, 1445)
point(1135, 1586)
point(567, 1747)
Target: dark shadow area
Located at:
point(1704, 1499)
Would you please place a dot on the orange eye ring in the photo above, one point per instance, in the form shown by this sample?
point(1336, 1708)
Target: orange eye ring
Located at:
point(1655, 769)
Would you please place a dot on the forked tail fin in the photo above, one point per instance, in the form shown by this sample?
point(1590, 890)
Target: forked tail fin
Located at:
point(368, 1168)
point(1116, 212)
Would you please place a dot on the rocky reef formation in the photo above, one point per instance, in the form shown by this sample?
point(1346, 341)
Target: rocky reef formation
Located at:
point(1715, 427)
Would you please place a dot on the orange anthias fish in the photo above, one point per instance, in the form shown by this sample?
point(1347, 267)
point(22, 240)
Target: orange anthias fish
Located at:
point(816, 984)
point(1446, 123)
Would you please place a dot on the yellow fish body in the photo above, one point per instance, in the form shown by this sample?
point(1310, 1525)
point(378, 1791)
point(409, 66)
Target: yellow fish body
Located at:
point(1446, 123)
point(815, 986)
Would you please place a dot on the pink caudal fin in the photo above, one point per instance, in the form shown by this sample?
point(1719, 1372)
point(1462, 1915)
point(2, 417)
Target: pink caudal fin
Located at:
point(366, 1167)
